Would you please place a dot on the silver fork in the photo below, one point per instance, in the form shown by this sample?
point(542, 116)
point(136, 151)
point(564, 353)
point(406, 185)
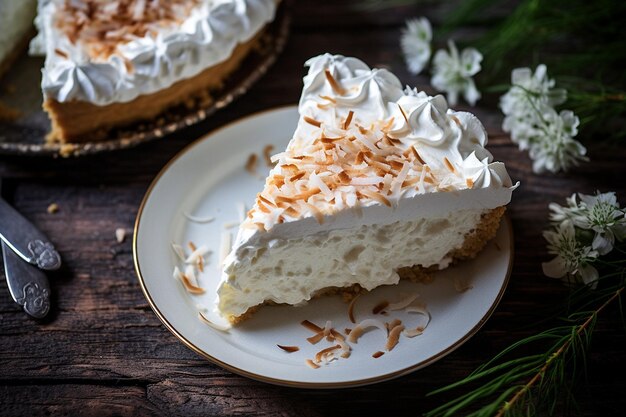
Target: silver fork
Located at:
point(28, 284)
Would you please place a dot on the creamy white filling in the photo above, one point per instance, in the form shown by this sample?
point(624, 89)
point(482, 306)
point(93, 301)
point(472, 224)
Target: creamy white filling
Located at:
point(16, 19)
point(368, 255)
point(205, 38)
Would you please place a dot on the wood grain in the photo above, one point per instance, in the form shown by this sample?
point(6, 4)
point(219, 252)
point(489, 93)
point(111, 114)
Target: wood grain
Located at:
point(102, 351)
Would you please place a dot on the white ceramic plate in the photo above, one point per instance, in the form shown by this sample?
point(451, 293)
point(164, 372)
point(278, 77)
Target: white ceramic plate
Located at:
point(208, 179)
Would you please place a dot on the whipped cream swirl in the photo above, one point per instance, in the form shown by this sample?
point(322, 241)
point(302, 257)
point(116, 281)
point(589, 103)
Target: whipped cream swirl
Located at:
point(207, 36)
point(418, 120)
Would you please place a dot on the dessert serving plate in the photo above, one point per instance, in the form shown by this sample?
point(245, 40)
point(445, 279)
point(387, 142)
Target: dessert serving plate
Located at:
point(20, 94)
point(200, 197)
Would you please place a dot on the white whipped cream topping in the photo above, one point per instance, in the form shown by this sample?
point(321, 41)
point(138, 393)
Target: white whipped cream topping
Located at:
point(206, 37)
point(451, 145)
point(414, 119)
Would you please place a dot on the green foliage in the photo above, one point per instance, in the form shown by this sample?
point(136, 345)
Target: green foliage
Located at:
point(582, 42)
point(518, 383)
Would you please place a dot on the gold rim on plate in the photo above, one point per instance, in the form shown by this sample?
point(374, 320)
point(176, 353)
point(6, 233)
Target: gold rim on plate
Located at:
point(283, 382)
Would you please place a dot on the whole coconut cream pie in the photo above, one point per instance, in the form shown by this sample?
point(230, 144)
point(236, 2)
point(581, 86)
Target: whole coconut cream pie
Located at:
point(113, 63)
point(378, 182)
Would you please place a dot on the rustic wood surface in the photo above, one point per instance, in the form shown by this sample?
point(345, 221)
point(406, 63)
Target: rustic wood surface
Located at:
point(102, 350)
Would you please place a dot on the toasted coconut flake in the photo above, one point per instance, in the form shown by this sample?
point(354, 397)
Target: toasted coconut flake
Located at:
point(61, 53)
point(297, 176)
point(266, 201)
point(418, 331)
point(334, 84)
point(470, 183)
point(267, 151)
point(346, 124)
point(336, 335)
point(209, 323)
point(311, 326)
point(251, 163)
point(315, 338)
point(378, 354)
point(405, 302)
point(375, 196)
point(417, 155)
point(380, 307)
point(360, 328)
point(197, 253)
point(351, 309)
point(327, 327)
point(319, 355)
point(394, 337)
point(393, 323)
point(289, 349)
point(190, 272)
point(312, 121)
point(192, 246)
point(406, 119)
point(332, 100)
point(456, 120)
point(290, 211)
point(179, 251)
point(312, 364)
point(421, 309)
point(347, 331)
point(449, 165)
point(319, 216)
point(176, 274)
point(189, 286)
point(198, 219)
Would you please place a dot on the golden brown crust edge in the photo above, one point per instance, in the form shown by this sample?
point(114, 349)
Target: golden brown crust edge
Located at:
point(80, 121)
point(474, 242)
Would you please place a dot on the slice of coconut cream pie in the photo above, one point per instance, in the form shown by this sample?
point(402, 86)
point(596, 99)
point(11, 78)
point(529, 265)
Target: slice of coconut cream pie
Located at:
point(376, 181)
point(114, 63)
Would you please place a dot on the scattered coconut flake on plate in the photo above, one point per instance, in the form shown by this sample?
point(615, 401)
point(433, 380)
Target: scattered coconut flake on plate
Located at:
point(197, 253)
point(209, 323)
point(198, 219)
point(179, 251)
point(360, 328)
point(403, 303)
point(289, 349)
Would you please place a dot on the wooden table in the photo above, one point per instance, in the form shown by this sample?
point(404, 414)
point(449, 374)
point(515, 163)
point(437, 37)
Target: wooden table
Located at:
point(102, 350)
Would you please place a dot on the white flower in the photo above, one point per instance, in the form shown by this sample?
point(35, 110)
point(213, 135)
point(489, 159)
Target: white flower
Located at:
point(603, 215)
point(560, 213)
point(573, 260)
point(530, 92)
point(453, 73)
point(553, 147)
point(415, 43)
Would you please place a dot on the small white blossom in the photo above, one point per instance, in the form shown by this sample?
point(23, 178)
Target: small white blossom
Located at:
point(531, 91)
point(453, 73)
point(536, 126)
point(573, 260)
point(415, 43)
point(552, 146)
point(560, 213)
point(602, 214)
